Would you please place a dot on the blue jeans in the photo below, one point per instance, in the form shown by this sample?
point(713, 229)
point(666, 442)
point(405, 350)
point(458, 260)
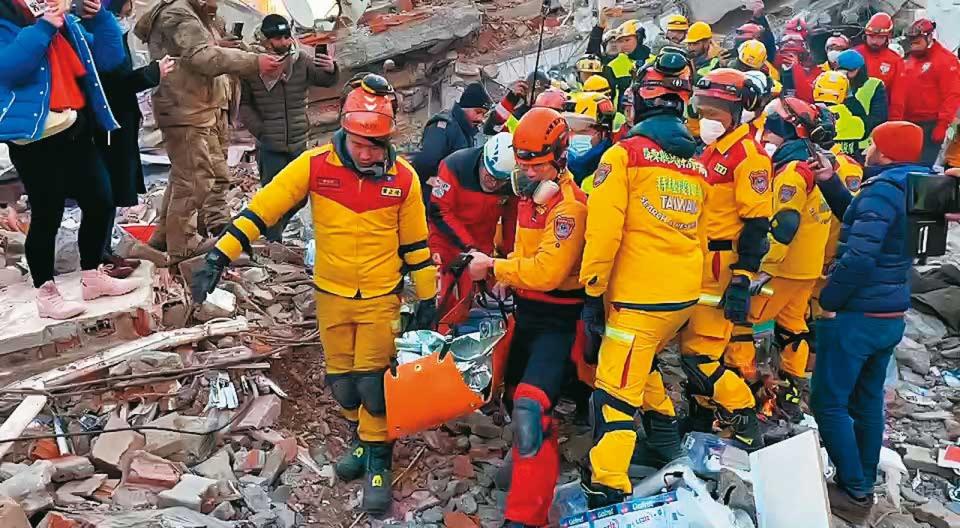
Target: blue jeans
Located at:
point(270, 163)
point(846, 393)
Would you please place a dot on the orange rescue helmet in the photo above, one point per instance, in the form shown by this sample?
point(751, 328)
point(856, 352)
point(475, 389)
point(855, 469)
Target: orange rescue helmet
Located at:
point(369, 109)
point(541, 137)
point(880, 24)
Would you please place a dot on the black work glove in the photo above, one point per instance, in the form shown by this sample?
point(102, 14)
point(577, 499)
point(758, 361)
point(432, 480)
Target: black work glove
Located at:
point(425, 316)
point(736, 299)
point(594, 324)
point(206, 278)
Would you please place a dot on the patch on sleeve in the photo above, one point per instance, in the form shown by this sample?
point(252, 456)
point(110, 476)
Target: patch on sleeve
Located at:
point(441, 124)
point(563, 227)
point(760, 181)
point(601, 174)
point(787, 192)
point(440, 189)
point(852, 183)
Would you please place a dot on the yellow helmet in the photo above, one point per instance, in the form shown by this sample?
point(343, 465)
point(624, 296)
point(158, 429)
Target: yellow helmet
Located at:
point(752, 53)
point(831, 87)
point(588, 109)
point(630, 28)
point(677, 23)
point(589, 64)
point(698, 31)
point(597, 83)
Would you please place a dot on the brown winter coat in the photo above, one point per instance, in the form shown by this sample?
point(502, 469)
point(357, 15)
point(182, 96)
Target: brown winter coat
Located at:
point(197, 89)
point(278, 118)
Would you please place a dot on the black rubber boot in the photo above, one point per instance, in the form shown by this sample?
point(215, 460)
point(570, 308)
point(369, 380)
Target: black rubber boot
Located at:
point(352, 463)
point(378, 479)
point(744, 425)
point(599, 495)
point(789, 396)
point(699, 418)
point(662, 443)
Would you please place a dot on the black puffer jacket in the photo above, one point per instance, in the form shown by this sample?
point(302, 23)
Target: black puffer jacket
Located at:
point(278, 118)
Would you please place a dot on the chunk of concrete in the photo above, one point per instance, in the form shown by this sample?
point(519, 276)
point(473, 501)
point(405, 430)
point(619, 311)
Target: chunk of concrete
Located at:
point(193, 492)
point(9, 469)
point(75, 492)
point(11, 514)
point(164, 443)
point(71, 467)
point(920, 458)
point(111, 448)
point(224, 511)
point(133, 498)
point(147, 362)
point(936, 514)
point(31, 487)
point(275, 465)
point(256, 498)
point(217, 467)
point(151, 471)
point(263, 412)
point(197, 448)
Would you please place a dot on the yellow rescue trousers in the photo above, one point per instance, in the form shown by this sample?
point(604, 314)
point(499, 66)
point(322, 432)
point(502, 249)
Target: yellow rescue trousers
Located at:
point(787, 307)
point(708, 333)
point(626, 375)
point(358, 338)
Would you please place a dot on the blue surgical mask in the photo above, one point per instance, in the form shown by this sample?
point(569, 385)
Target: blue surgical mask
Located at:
point(580, 144)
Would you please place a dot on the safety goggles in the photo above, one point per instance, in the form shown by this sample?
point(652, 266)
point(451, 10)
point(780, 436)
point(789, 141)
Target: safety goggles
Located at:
point(707, 84)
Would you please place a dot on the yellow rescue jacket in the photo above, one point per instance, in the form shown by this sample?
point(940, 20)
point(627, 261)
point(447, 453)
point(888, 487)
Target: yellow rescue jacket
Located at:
point(851, 174)
point(367, 232)
point(739, 175)
point(545, 263)
point(642, 228)
point(794, 188)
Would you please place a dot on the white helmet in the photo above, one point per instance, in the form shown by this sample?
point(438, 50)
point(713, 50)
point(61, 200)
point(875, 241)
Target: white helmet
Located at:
point(760, 79)
point(498, 156)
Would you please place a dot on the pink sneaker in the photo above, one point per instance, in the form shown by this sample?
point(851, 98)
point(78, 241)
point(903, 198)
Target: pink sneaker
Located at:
point(52, 305)
point(96, 284)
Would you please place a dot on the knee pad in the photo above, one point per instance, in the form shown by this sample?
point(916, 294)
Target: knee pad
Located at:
point(528, 426)
point(370, 388)
point(344, 390)
point(699, 383)
point(599, 423)
point(785, 338)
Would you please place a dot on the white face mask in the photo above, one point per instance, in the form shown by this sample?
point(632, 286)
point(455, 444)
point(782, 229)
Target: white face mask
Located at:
point(711, 130)
point(126, 24)
point(747, 116)
point(833, 55)
point(770, 149)
point(581, 143)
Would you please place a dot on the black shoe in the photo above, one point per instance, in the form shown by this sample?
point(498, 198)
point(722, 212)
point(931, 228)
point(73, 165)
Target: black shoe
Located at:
point(744, 425)
point(662, 444)
point(699, 418)
point(378, 479)
point(353, 463)
point(789, 397)
point(599, 495)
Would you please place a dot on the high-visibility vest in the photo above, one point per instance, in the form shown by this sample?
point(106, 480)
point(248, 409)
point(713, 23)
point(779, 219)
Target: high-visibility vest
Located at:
point(708, 67)
point(865, 96)
point(622, 67)
point(850, 129)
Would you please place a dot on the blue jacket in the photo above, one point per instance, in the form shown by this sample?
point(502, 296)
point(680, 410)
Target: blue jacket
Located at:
point(873, 261)
point(25, 74)
point(444, 134)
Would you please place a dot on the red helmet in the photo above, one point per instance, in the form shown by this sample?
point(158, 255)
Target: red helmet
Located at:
point(922, 27)
point(880, 24)
point(792, 42)
point(838, 41)
point(797, 26)
point(749, 31)
point(369, 109)
point(552, 98)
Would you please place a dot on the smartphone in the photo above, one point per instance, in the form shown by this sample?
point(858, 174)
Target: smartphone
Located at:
point(321, 49)
point(238, 30)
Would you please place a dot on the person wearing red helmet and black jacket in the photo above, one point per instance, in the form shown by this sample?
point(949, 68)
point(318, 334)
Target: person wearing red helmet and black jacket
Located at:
point(929, 94)
point(470, 198)
point(882, 62)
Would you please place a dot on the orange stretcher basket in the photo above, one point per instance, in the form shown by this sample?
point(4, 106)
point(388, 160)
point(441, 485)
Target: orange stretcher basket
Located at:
point(426, 393)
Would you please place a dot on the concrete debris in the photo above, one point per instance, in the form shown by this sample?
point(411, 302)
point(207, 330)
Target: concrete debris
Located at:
point(11, 514)
point(262, 413)
point(217, 467)
point(110, 448)
point(164, 443)
point(193, 492)
point(150, 471)
point(147, 362)
point(913, 355)
point(31, 488)
point(276, 463)
point(76, 492)
point(71, 468)
point(936, 515)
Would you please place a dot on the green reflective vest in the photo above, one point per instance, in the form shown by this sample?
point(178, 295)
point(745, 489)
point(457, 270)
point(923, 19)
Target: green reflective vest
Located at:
point(622, 68)
point(865, 96)
point(850, 129)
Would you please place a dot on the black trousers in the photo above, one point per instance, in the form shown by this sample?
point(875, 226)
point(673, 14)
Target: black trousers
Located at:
point(540, 351)
point(54, 168)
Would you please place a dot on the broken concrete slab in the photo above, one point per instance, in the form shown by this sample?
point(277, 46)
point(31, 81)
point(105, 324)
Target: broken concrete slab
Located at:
point(150, 471)
point(164, 443)
point(71, 467)
point(217, 467)
point(224, 511)
point(445, 24)
point(920, 458)
point(163, 517)
point(9, 469)
point(31, 488)
point(275, 464)
point(147, 362)
point(256, 498)
point(127, 497)
point(263, 412)
point(193, 492)
point(11, 514)
point(196, 447)
point(75, 492)
point(110, 448)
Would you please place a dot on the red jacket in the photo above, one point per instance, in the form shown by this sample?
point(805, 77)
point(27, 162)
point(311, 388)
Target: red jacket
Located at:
point(885, 65)
point(929, 88)
point(461, 215)
point(801, 78)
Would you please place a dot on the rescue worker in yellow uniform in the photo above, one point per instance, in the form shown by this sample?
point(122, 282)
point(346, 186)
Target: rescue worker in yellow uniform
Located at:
point(633, 54)
point(734, 229)
point(592, 120)
point(644, 214)
point(798, 234)
point(705, 57)
point(832, 88)
point(543, 273)
point(370, 226)
point(752, 55)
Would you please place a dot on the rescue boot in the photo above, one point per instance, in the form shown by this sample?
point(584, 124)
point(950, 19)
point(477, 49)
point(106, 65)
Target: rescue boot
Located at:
point(599, 495)
point(378, 480)
point(789, 396)
point(353, 462)
point(699, 418)
point(744, 425)
point(662, 443)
